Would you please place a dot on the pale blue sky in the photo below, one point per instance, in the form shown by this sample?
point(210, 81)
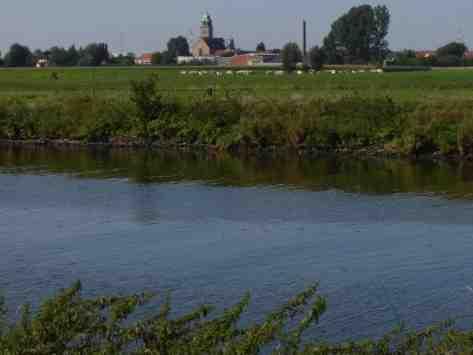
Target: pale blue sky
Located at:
point(147, 24)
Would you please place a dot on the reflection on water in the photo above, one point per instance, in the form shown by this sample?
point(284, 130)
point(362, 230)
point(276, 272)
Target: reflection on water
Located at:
point(380, 235)
point(350, 175)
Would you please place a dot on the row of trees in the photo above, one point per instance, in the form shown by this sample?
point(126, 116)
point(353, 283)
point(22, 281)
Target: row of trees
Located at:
point(93, 54)
point(450, 55)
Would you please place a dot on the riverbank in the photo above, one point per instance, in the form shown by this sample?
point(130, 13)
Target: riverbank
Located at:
point(352, 124)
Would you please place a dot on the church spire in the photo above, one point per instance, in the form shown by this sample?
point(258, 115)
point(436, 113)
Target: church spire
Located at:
point(206, 27)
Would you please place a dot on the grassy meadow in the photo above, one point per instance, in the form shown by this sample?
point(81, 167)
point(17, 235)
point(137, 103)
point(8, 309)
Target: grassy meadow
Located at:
point(407, 86)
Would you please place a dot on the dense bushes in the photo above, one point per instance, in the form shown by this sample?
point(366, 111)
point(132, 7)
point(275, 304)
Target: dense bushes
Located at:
point(71, 324)
point(348, 123)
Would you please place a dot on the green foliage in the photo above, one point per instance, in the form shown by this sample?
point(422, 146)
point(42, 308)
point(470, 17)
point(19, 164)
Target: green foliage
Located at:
point(19, 56)
point(68, 323)
point(359, 36)
point(150, 105)
point(94, 55)
point(157, 58)
point(291, 55)
point(455, 49)
point(317, 58)
point(230, 121)
point(176, 47)
point(63, 57)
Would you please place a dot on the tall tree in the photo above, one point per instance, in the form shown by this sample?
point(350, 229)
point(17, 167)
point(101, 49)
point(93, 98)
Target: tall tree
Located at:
point(19, 56)
point(382, 20)
point(261, 47)
point(177, 47)
point(359, 35)
point(157, 58)
point(291, 55)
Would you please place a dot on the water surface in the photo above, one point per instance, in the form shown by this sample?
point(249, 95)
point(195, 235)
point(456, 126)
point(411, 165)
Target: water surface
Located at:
point(389, 241)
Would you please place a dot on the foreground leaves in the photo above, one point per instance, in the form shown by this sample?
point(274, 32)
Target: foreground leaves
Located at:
point(71, 324)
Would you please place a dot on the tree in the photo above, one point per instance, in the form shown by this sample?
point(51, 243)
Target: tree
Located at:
point(19, 56)
point(123, 59)
point(94, 54)
point(1, 59)
point(291, 55)
point(456, 49)
point(157, 58)
point(72, 56)
point(261, 47)
point(58, 56)
point(317, 58)
point(178, 47)
point(359, 36)
point(167, 58)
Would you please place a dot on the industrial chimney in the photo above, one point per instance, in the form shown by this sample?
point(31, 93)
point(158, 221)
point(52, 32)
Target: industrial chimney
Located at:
point(304, 42)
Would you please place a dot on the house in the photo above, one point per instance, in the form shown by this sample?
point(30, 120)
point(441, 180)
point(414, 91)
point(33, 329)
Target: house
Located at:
point(144, 59)
point(42, 63)
point(256, 59)
point(425, 54)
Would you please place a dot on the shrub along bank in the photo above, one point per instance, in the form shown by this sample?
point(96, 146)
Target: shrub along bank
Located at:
point(346, 124)
point(71, 324)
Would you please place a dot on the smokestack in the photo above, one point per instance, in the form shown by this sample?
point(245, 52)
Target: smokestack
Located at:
point(304, 41)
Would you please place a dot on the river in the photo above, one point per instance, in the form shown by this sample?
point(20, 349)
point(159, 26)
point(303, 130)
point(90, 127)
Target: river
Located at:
point(390, 241)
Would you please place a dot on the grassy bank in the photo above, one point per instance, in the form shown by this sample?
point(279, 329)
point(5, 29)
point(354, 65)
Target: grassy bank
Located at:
point(71, 324)
point(351, 123)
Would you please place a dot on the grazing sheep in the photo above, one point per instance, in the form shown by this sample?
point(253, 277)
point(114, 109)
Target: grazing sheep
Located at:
point(300, 72)
point(333, 72)
point(279, 72)
point(229, 72)
point(183, 72)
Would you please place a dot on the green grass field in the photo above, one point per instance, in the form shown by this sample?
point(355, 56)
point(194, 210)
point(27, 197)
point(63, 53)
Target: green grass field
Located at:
point(415, 86)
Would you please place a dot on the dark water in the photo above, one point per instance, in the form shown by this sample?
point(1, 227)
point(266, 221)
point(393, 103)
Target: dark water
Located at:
point(389, 241)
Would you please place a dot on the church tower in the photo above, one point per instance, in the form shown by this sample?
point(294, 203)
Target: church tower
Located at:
point(206, 27)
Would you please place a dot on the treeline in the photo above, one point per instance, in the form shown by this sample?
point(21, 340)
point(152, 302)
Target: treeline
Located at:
point(451, 55)
point(94, 54)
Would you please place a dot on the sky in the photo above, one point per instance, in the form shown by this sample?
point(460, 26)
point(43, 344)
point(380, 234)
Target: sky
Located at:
point(146, 25)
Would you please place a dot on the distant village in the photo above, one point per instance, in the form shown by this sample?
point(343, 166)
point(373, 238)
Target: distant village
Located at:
point(345, 44)
point(211, 50)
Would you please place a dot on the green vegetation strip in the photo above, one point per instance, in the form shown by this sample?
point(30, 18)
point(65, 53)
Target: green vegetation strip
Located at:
point(232, 120)
point(71, 324)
